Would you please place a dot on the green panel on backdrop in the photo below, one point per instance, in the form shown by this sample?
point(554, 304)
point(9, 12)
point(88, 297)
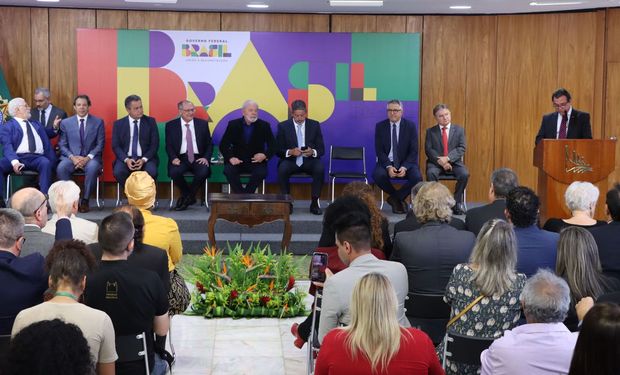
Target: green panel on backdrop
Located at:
point(133, 48)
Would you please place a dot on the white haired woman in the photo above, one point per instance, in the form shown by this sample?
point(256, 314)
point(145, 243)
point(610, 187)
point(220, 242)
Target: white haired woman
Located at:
point(580, 198)
point(376, 346)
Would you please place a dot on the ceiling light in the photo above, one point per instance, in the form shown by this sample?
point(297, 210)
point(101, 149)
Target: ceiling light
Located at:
point(556, 3)
point(258, 6)
point(460, 6)
point(152, 1)
point(356, 3)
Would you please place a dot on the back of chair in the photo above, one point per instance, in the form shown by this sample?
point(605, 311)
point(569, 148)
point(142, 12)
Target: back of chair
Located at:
point(429, 313)
point(5, 342)
point(347, 153)
point(464, 349)
point(131, 348)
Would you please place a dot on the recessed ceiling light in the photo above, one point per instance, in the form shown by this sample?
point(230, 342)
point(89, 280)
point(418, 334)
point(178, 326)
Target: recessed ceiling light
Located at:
point(152, 1)
point(258, 6)
point(556, 3)
point(356, 3)
point(460, 6)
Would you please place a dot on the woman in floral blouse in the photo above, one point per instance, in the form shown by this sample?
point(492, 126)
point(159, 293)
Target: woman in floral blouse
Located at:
point(491, 273)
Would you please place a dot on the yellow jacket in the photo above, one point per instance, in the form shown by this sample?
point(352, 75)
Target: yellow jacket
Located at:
point(164, 233)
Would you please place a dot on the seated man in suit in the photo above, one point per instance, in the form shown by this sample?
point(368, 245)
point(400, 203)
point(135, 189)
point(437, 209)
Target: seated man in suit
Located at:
point(32, 204)
point(26, 147)
point(300, 148)
point(247, 145)
point(189, 149)
point(81, 145)
point(135, 142)
point(445, 146)
point(607, 236)
point(502, 181)
point(46, 113)
point(396, 145)
point(566, 122)
point(353, 241)
point(23, 279)
point(536, 248)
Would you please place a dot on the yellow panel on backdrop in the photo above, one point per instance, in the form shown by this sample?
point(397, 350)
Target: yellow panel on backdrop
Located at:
point(132, 81)
point(321, 102)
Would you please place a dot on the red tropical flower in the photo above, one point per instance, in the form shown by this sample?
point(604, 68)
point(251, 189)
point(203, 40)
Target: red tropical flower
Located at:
point(200, 287)
point(264, 300)
point(234, 294)
point(291, 283)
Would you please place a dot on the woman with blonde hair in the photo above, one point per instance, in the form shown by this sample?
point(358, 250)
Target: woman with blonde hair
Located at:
point(374, 343)
point(580, 198)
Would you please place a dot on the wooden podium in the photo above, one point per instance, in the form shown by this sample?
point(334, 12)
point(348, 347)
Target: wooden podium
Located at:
point(563, 161)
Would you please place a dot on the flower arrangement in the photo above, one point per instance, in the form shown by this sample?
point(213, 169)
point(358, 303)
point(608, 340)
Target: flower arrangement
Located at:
point(252, 283)
point(4, 110)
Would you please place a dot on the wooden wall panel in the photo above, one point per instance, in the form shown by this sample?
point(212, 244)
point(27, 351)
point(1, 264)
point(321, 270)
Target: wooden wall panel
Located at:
point(275, 22)
point(612, 119)
point(415, 24)
point(15, 50)
point(612, 47)
point(391, 24)
point(40, 60)
point(353, 23)
point(173, 20)
point(111, 19)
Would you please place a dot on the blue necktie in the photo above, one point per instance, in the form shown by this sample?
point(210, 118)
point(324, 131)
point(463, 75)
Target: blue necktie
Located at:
point(300, 140)
point(134, 140)
point(81, 137)
point(395, 159)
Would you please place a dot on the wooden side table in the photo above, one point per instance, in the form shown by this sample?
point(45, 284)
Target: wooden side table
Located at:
point(251, 210)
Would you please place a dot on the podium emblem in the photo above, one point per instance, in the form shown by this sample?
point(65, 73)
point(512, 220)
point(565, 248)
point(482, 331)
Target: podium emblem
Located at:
point(575, 163)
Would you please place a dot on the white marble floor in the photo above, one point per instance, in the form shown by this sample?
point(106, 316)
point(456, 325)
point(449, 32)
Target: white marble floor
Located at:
point(241, 346)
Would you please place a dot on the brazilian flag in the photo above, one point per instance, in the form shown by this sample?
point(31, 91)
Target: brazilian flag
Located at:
point(5, 96)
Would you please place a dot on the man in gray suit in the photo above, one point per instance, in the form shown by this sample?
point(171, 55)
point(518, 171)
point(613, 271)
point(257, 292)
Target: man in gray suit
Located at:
point(46, 113)
point(81, 144)
point(353, 241)
point(32, 204)
point(445, 147)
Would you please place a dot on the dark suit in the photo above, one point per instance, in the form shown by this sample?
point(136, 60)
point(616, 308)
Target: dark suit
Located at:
point(121, 145)
point(433, 146)
point(175, 132)
point(578, 126)
point(430, 254)
point(71, 145)
point(35, 114)
point(477, 217)
point(537, 249)
point(407, 154)
point(233, 144)
point(607, 238)
point(411, 223)
point(11, 135)
point(287, 139)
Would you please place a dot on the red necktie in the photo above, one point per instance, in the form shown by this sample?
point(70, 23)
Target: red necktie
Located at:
point(562, 134)
point(444, 139)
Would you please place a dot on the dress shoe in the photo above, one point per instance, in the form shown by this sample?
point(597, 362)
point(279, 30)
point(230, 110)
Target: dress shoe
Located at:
point(290, 209)
point(459, 209)
point(83, 208)
point(190, 200)
point(180, 203)
point(397, 205)
point(314, 207)
point(183, 204)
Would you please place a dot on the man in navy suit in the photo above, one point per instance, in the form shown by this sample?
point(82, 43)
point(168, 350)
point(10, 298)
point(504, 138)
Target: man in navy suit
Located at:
point(300, 148)
point(445, 146)
point(247, 145)
point(81, 144)
point(566, 122)
point(135, 142)
point(46, 113)
point(400, 135)
point(26, 147)
point(189, 148)
point(607, 236)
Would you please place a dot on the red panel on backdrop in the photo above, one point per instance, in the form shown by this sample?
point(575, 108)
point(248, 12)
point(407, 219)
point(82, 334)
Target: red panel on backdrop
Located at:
point(165, 90)
point(357, 76)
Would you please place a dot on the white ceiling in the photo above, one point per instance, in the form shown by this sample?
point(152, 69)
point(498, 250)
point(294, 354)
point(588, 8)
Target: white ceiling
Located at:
point(322, 6)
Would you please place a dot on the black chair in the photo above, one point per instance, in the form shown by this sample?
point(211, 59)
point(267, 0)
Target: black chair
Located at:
point(8, 181)
point(449, 176)
point(429, 313)
point(313, 340)
point(349, 154)
point(303, 175)
point(246, 176)
point(100, 202)
point(131, 348)
point(464, 349)
point(188, 174)
point(5, 343)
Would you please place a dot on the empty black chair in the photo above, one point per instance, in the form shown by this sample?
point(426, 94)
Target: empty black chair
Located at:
point(429, 313)
point(464, 349)
point(350, 154)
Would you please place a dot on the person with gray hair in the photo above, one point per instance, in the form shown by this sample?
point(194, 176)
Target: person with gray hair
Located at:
point(23, 279)
point(542, 346)
point(503, 180)
point(46, 113)
point(32, 204)
point(580, 198)
point(247, 144)
point(64, 197)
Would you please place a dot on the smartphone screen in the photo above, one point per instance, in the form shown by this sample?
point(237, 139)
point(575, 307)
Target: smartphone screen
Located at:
point(318, 265)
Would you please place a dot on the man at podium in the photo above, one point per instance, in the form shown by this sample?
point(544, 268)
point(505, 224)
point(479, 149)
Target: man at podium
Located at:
point(566, 122)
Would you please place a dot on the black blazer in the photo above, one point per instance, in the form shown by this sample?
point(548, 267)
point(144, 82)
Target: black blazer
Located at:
point(175, 131)
point(35, 114)
point(286, 138)
point(149, 138)
point(578, 126)
point(433, 146)
point(233, 143)
point(407, 143)
point(607, 238)
point(476, 217)
point(411, 223)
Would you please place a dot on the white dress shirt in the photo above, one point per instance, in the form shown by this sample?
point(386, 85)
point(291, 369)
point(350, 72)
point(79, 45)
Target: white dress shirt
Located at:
point(129, 155)
point(48, 112)
point(391, 154)
point(192, 129)
point(23, 145)
point(300, 142)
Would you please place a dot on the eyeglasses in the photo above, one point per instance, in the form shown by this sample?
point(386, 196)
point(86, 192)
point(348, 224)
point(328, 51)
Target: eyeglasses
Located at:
point(394, 110)
point(561, 105)
point(188, 110)
point(40, 206)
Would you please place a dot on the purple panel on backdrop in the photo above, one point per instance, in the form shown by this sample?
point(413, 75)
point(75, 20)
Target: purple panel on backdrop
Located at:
point(204, 91)
point(161, 49)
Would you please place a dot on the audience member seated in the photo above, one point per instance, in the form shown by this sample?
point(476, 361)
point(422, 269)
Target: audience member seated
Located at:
point(23, 279)
point(578, 263)
point(502, 181)
point(490, 279)
point(376, 346)
point(596, 351)
point(543, 346)
point(134, 298)
point(607, 237)
point(431, 252)
point(64, 196)
point(411, 222)
point(580, 198)
point(49, 347)
point(353, 241)
point(145, 256)
point(68, 263)
point(536, 247)
point(32, 204)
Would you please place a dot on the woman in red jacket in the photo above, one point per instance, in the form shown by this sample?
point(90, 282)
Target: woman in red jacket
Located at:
point(374, 343)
